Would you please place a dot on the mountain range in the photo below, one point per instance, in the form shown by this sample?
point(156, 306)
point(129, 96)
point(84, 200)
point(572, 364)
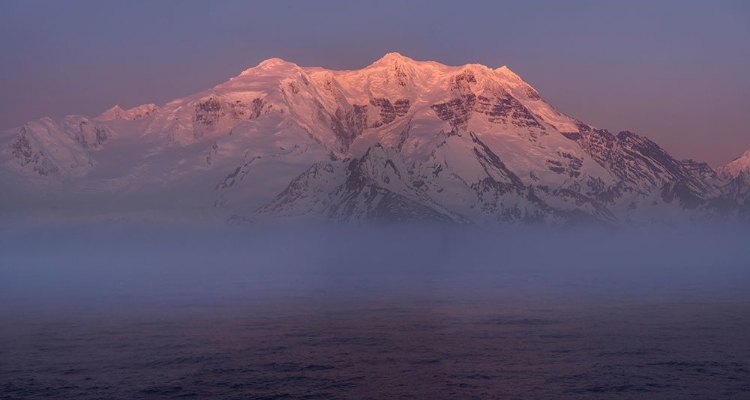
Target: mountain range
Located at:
point(399, 140)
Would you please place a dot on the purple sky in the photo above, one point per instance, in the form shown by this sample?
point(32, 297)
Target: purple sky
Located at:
point(675, 71)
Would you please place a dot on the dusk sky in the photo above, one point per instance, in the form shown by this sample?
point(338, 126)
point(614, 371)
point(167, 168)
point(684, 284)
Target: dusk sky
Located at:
point(675, 71)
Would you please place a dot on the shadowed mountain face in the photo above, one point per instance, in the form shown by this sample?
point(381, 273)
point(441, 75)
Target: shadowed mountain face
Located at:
point(398, 140)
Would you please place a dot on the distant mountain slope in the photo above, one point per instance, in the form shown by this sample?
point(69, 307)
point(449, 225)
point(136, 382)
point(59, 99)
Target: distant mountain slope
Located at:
point(47, 148)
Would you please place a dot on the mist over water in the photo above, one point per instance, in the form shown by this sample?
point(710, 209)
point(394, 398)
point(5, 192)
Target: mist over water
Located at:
point(393, 311)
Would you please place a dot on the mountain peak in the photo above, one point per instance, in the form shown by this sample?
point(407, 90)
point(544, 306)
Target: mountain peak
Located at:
point(738, 166)
point(112, 113)
point(138, 112)
point(271, 64)
point(393, 57)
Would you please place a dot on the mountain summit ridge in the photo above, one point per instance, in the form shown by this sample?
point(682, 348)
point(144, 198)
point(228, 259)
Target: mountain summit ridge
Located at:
point(467, 144)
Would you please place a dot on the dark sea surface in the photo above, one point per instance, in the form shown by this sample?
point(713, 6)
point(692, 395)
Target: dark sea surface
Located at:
point(221, 324)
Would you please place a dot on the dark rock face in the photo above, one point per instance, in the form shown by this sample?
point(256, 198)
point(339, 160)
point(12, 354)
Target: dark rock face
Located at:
point(348, 125)
point(506, 109)
point(348, 122)
point(359, 175)
point(681, 191)
point(649, 154)
point(402, 107)
point(493, 166)
point(573, 165)
point(210, 111)
point(556, 166)
point(699, 170)
point(499, 107)
point(457, 111)
point(642, 167)
point(101, 136)
point(300, 188)
point(643, 159)
point(101, 133)
point(143, 114)
point(632, 158)
point(570, 165)
point(256, 108)
point(363, 192)
point(21, 148)
point(237, 175)
point(607, 194)
point(598, 143)
point(363, 195)
point(389, 111)
point(25, 155)
point(462, 82)
point(734, 199)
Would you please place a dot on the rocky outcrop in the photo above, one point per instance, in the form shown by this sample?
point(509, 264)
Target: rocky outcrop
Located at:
point(26, 155)
point(505, 109)
point(498, 105)
point(700, 170)
point(236, 176)
point(211, 111)
point(389, 111)
point(349, 124)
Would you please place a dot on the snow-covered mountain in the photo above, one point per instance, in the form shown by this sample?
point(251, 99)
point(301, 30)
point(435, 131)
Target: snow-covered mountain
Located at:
point(738, 166)
point(397, 140)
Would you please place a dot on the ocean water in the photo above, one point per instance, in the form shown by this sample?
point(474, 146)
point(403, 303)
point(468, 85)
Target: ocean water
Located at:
point(192, 319)
point(411, 348)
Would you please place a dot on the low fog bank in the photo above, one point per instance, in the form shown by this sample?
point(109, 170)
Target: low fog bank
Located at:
point(141, 269)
